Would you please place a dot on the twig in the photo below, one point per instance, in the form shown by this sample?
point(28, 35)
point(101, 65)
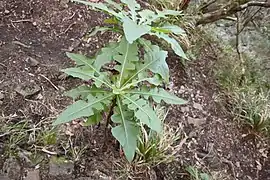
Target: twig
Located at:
point(242, 63)
point(108, 118)
point(3, 65)
point(69, 18)
point(21, 44)
point(48, 152)
point(65, 31)
point(55, 87)
point(22, 20)
point(206, 5)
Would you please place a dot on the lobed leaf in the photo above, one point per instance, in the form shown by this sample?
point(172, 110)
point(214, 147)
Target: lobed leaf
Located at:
point(83, 91)
point(173, 28)
point(174, 44)
point(133, 31)
point(159, 94)
point(106, 55)
point(143, 111)
point(83, 109)
point(126, 132)
point(87, 74)
point(100, 6)
point(94, 119)
point(127, 55)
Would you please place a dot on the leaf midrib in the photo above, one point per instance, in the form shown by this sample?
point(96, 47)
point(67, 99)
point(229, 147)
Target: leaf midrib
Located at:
point(123, 120)
point(98, 100)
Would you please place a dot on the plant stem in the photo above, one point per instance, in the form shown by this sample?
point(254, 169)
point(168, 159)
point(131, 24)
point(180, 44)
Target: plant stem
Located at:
point(108, 118)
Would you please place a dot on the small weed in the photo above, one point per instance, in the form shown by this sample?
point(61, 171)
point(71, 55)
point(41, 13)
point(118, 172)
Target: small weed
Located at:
point(195, 174)
point(249, 93)
point(155, 148)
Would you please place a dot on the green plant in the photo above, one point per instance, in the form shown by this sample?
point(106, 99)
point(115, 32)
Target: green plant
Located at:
point(196, 174)
point(253, 106)
point(129, 95)
point(248, 92)
point(155, 148)
point(136, 22)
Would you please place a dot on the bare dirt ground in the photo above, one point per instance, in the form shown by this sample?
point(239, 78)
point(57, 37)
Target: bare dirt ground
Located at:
point(34, 36)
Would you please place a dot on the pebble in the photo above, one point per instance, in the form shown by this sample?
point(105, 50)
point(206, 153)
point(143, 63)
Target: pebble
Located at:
point(33, 175)
point(7, 11)
point(32, 61)
point(60, 168)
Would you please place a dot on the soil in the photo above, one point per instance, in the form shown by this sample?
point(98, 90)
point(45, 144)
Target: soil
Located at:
point(34, 36)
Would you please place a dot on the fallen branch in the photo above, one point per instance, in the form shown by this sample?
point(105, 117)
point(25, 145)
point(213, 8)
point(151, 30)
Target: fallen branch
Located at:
point(227, 11)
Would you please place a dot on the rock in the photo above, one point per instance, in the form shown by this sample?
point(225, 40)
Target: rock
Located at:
point(7, 11)
point(3, 177)
point(28, 89)
point(197, 106)
point(64, 3)
point(184, 109)
point(33, 175)
point(32, 61)
point(100, 175)
point(12, 169)
point(59, 167)
point(196, 121)
point(84, 178)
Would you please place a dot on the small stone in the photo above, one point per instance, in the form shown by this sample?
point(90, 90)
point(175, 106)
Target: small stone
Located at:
point(60, 167)
point(13, 169)
point(7, 11)
point(64, 3)
point(32, 61)
point(100, 175)
point(196, 121)
point(185, 109)
point(28, 90)
point(197, 106)
point(34, 23)
point(33, 175)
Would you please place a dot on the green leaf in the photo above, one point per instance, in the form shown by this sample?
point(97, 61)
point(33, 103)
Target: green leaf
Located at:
point(87, 74)
point(159, 94)
point(127, 55)
point(114, 4)
point(83, 109)
point(80, 59)
point(155, 61)
point(83, 91)
point(126, 133)
point(174, 29)
point(100, 6)
point(143, 111)
point(147, 16)
point(133, 31)
point(168, 12)
point(99, 29)
point(174, 44)
point(204, 176)
point(106, 55)
point(133, 6)
point(94, 119)
point(91, 69)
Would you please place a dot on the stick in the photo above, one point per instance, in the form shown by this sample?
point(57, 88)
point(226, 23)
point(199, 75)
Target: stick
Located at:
point(55, 87)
